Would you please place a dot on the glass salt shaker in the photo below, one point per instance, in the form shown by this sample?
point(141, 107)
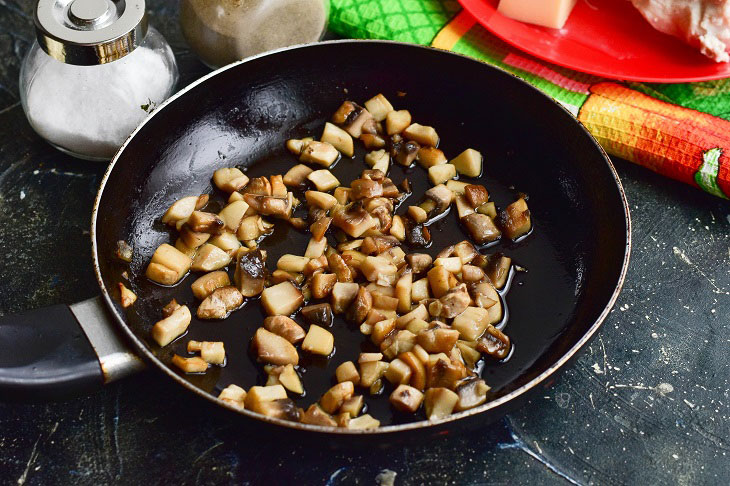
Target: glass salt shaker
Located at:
point(95, 72)
point(225, 31)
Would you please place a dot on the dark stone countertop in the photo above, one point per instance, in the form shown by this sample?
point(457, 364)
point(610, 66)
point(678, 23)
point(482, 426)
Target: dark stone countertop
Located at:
point(646, 403)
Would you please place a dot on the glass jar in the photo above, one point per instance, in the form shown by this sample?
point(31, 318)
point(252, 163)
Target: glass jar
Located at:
point(224, 31)
point(83, 88)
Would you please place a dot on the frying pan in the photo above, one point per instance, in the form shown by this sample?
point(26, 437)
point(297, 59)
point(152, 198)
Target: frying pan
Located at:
point(572, 264)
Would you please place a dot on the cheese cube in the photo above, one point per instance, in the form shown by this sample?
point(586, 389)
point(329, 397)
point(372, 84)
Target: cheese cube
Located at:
point(549, 13)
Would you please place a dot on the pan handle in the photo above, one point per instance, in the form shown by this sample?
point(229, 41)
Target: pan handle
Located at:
point(61, 351)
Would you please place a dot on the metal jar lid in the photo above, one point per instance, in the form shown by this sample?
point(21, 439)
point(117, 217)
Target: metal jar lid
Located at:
point(90, 32)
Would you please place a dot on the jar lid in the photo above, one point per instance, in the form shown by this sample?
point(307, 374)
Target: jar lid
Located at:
point(90, 32)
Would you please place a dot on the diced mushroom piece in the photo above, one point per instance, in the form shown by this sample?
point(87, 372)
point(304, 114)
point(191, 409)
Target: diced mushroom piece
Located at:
point(281, 299)
point(369, 357)
point(439, 403)
point(168, 265)
point(476, 195)
point(274, 349)
point(378, 160)
point(353, 219)
point(398, 342)
point(397, 121)
point(452, 264)
point(471, 323)
point(360, 306)
point(316, 416)
point(381, 329)
point(404, 152)
point(185, 249)
point(126, 297)
point(233, 395)
point(323, 180)
point(438, 340)
point(278, 188)
point(210, 258)
point(170, 308)
point(270, 401)
point(469, 352)
point(365, 189)
point(442, 372)
point(441, 196)
point(420, 312)
point(371, 372)
point(170, 328)
point(320, 314)
point(378, 269)
point(377, 244)
point(190, 365)
point(180, 210)
point(229, 179)
point(212, 352)
point(398, 372)
point(497, 269)
point(202, 222)
point(287, 376)
point(297, 175)
point(363, 422)
point(384, 302)
point(403, 288)
point(124, 251)
point(379, 107)
point(471, 273)
point(489, 209)
point(285, 327)
point(226, 242)
point(192, 239)
point(419, 262)
point(430, 156)
point(342, 195)
point(347, 372)
point(453, 303)
point(336, 396)
point(397, 228)
point(219, 303)
point(438, 280)
point(319, 227)
point(417, 325)
point(318, 341)
point(419, 291)
point(322, 284)
point(352, 117)
point(417, 235)
point(440, 174)
point(486, 296)
point(292, 263)
point(320, 153)
point(465, 251)
point(320, 199)
point(283, 408)
point(469, 163)
point(232, 214)
point(259, 186)
point(422, 134)
point(353, 405)
point(250, 273)
point(418, 371)
point(463, 208)
point(338, 138)
point(472, 392)
point(481, 228)
point(295, 145)
point(417, 214)
point(342, 270)
point(371, 141)
point(271, 206)
point(515, 219)
point(250, 228)
point(406, 398)
point(494, 343)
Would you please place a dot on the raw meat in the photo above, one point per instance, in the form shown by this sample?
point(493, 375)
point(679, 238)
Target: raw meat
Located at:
point(704, 24)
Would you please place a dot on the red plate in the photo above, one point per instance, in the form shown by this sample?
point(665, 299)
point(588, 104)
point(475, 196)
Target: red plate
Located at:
point(607, 38)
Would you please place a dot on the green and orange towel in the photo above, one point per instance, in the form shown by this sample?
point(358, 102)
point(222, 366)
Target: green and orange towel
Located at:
point(677, 130)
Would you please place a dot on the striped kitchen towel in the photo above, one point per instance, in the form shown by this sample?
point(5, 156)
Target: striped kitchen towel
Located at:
point(677, 130)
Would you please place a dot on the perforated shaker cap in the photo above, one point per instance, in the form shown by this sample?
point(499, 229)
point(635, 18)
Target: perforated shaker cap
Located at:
point(89, 32)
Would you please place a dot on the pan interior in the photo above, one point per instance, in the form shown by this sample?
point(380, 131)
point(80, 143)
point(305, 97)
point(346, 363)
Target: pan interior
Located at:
point(243, 115)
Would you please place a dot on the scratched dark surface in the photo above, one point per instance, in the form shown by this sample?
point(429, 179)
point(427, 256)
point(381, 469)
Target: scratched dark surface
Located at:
point(647, 403)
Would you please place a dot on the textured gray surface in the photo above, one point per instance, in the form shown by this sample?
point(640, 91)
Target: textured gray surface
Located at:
point(647, 403)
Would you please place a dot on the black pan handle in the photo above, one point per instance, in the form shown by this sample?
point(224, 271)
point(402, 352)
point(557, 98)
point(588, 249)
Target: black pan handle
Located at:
point(61, 351)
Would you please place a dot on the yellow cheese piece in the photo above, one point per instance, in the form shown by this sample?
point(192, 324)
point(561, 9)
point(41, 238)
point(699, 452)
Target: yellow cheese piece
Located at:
point(549, 13)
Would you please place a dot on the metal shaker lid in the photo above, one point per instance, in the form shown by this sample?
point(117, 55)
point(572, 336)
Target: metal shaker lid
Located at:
point(90, 32)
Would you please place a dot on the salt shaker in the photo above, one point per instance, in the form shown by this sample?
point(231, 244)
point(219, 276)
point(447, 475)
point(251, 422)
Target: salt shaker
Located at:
point(95, 72)
point(225, 31)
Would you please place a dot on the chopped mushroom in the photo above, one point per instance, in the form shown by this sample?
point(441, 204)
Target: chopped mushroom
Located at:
point(126, 297)
point(190, 365)
point(274, 349)
point(320, 153)
point(469, 163)
point(347, 372)
point(471, 323)
point(424, 135)
point(202, 222)
point(297, 175)
point(430, 156)
point(363, 422)
point(124, 251)
point(281, 299)
point(406, 398)
point(379, 107)
point(212, 352)
point(285, 327)
point(494, 343)
point(210, 258)
point(318, 341)
point(233, 395)
point(250, 273)
point(397, 121)
point(442, 196)
point(336, 396)
point(168, 265)
point(360, 307)
point(180, 210)
point(172, 327)
point(497, 269)
point(481, 228)
point(232, 215)
point(476, 195)
point(440, 174)
point(472, 392)
point(230, 179)
point(220, 303)
point(323, 180)
point(338, 138)
point(352, 117)
point(439, 402)
point(353, 219)
point(515, 219)
point(320, 314)
point(316, 416)
point(320, 199)
point(170, 308)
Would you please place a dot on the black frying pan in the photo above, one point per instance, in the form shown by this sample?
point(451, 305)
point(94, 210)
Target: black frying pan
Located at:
point(576, 256)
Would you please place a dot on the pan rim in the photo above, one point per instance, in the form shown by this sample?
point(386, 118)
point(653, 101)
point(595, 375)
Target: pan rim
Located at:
point(142, 349)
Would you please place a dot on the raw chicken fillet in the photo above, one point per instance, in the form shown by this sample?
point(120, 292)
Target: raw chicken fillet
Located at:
point(704, 24)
